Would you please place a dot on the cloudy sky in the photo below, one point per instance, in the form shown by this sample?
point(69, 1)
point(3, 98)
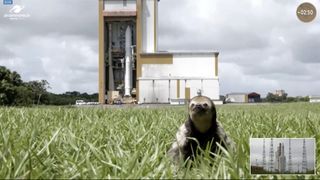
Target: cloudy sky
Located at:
point(262, 44)
point(256, 151)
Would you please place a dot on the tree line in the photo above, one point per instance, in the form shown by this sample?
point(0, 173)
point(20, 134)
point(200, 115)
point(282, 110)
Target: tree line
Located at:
point(15, 92)
point(284, 98)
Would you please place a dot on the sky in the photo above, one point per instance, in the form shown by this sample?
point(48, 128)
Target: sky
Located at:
point(256, 151)
point(262, 44)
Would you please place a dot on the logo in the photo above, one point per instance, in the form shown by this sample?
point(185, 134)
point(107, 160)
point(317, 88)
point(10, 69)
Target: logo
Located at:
point(17, 13)
point(16, 9)
point(7, 2)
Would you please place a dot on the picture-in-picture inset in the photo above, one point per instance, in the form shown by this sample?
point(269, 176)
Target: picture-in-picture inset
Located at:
point(282, 155)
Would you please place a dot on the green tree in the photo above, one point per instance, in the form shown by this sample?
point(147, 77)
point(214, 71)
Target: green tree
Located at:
point(275, 98)
point(23, 96)
point(13, 91)
point(9, 82)
point(39, 91)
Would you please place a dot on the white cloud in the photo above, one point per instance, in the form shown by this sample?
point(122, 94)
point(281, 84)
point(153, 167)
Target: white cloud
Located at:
point(262, 44)
point(67, 63)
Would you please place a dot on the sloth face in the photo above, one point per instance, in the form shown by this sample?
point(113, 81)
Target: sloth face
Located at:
point(200, 105)
point(201, 112)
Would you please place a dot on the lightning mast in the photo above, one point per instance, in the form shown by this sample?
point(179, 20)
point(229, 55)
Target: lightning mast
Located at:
point(264, 154)
point(304, 157)
point(290, 157)
point(271, 153)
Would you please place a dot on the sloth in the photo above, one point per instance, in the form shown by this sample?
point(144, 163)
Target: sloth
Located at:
point(201, 129)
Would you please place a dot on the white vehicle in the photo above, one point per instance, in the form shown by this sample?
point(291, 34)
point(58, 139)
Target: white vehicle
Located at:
point(92, 103)
point(80, 102)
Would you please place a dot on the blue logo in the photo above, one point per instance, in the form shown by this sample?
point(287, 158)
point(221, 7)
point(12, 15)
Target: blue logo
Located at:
point(7, 2)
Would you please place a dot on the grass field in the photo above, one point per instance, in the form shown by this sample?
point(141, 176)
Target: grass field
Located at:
point(51, 142)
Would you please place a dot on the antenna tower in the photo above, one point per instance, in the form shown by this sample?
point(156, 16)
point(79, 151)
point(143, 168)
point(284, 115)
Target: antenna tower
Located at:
point(264, 154)
point(271, 153)
point(290, 157)
point(304, 157)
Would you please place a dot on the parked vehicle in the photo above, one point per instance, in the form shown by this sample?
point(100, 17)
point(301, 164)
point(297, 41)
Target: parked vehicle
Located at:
point(80, 102)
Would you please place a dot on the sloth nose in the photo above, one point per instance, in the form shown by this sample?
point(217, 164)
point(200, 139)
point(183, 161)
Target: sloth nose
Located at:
point(198, 106)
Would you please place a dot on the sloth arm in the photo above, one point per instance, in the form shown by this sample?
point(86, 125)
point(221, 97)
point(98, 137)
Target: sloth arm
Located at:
point(224, 137)
point(178, 145)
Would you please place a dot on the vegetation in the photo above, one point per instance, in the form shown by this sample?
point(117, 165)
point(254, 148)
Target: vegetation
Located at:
point(69, 98)
point(55, 142)
point(13, 91)
point(275, 98)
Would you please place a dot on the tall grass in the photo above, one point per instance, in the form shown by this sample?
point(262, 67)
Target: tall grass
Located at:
point(132, 142)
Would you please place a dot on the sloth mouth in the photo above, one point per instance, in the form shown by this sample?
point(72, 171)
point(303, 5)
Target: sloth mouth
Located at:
point(198, 109)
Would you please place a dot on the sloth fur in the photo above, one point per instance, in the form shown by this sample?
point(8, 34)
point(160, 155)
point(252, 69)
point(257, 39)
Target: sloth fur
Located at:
point(201, 129)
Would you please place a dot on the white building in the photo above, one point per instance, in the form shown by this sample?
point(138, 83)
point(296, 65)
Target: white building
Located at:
point(237, 98)
point(280, 92)
point(314, 99)
point(155, 77)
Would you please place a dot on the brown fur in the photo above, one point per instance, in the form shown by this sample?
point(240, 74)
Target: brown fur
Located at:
point(200, 129)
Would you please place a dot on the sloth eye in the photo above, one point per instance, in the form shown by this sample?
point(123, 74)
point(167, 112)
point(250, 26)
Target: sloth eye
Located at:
point(192, 104)
point(205, 105)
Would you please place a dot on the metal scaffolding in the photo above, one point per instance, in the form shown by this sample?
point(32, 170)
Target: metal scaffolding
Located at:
point(290, 158)
point(271, 153)
point(304, 157)
point(264, 154)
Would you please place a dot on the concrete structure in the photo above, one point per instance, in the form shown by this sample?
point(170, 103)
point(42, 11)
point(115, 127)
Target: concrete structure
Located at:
point(237, 98)
point(280, 164)
point(314, 99)
point(243, 98)
point(254, 97)
point(280, 92)
point(156, 77)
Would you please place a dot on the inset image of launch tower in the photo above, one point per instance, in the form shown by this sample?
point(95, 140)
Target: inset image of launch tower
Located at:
point(282, 155)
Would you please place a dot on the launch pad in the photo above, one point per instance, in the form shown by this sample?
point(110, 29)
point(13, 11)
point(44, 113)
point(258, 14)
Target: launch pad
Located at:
point(131, 66)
